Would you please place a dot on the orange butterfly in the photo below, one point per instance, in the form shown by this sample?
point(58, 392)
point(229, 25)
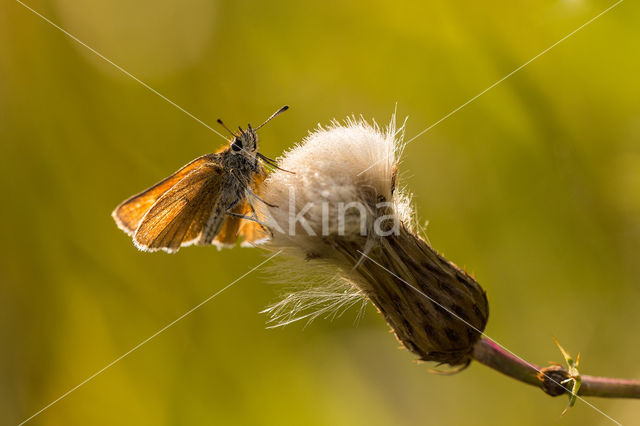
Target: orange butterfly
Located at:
point(208, 201)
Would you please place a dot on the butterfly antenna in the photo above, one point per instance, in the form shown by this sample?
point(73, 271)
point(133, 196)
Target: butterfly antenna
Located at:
point(283, 109)
point(226, 128)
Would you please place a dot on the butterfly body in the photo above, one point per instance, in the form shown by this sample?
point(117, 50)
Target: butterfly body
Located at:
point(205, 202)
point(243, 170)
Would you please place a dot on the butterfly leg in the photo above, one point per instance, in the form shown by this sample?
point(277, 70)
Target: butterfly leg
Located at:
point(253, 218)
point(241, 216)
point(255, 215)
point(250, 192)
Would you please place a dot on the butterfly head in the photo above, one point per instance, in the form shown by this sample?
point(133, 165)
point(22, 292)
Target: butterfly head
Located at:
point(246, 143)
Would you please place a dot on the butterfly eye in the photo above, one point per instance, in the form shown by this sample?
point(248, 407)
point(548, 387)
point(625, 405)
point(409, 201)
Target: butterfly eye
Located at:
point(236, 145)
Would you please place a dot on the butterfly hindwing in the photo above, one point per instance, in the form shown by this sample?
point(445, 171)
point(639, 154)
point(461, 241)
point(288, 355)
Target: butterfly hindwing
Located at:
point(233, 227)
point(253, 234)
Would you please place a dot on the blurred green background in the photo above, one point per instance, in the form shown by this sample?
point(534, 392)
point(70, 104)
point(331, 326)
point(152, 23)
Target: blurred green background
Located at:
point(534, 187)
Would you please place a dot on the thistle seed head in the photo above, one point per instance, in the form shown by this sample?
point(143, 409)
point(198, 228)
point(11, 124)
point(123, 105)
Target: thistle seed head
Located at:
point(343, 210)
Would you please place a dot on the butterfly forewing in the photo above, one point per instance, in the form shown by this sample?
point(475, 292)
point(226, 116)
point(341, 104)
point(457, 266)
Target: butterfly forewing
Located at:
point(130, 212)
point(180, 214)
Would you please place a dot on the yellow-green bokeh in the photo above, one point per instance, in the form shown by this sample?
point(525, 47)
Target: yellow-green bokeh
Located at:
point(534, 187)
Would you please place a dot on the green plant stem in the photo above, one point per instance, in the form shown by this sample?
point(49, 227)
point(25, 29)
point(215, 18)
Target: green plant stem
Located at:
point(549, 379)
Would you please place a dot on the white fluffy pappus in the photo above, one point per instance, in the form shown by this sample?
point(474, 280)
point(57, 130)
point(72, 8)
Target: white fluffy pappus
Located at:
point(335, 166)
